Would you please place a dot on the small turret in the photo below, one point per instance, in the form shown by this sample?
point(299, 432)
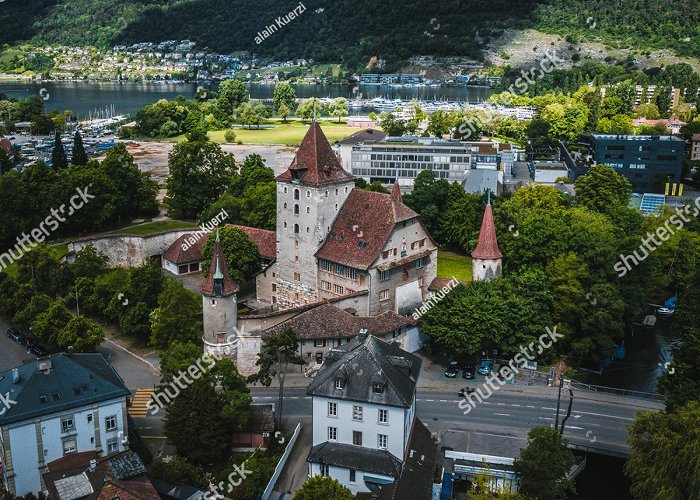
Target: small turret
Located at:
point(487, 259)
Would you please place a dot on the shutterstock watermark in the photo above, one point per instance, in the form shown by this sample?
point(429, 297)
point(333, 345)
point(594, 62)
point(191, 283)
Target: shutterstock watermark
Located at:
point(239, 474)
point(547, 64)
point(650, 244)
point(545, 341)
point(435, 298)
point(39, 234)
point(6, 402)
point(280, 22)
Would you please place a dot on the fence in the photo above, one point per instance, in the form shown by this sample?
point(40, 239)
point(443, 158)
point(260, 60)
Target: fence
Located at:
point(575, 384)
point(280, 465)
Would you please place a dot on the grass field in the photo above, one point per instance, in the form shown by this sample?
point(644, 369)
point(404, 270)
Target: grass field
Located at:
point(59, 251)
point(154, 227)
point(451, 265)
point(289, 134)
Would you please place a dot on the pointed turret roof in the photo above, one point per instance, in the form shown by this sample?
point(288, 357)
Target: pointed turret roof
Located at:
point(487, 247)
point(396, 192)
point(218, 271)
point(315, 162)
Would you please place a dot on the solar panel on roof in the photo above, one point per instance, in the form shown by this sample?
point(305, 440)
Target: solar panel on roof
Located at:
point(651, 202)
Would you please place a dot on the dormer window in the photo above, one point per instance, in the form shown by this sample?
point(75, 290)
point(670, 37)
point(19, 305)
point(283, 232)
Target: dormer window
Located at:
point(377, 387)
point(339, 383)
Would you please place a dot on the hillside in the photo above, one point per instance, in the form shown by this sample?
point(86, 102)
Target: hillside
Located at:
point(352, 31)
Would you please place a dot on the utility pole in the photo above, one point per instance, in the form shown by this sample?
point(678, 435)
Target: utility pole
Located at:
point(561, 382)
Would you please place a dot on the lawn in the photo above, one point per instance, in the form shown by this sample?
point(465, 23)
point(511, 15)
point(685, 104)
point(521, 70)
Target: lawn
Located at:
point(59, 250)
point(154, 227)
point(452, 265)
point(289, 134)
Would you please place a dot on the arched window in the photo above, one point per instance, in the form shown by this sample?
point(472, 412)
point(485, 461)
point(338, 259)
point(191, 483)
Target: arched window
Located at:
point(296, 194)
point(336, 207)
point(285, 205)
point(308, 210)
point(308, 194)
point(307, 229)
point(336, 192)
point(296, 228)
point(346, 189)
point(285, 225)
point(285, 189)
point(296, 209)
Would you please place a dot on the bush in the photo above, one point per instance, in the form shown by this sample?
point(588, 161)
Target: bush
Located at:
point(230, 136)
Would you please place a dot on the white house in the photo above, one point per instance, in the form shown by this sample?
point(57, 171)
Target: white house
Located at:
point(364, 401)
point(56, 406)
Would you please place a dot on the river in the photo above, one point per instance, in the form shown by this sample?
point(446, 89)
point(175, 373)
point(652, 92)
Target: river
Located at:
point(83, 97)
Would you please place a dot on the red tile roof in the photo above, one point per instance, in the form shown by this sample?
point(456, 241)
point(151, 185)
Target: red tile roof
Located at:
point(315, 163)
point(487, 247)
point(368, 134)
point(265, 239)
point(362, 227)
point(327, 321)
point(6, 145)
point(177, 255)
point(218, 265)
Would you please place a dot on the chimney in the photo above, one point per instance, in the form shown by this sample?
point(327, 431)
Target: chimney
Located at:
point(362, 336)
point(93, 465)
point(15, 375)
point(44, 365)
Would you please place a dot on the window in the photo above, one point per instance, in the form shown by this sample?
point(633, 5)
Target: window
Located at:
point(69, 446)
point(285, 225)
point(296, 228)
point(421, 262)
point(377, 387)
point(384, 295)
point(274, 288)
point(357, 413)
point(285, 189)
point(326, 285)
point(326, 266)
point(307, 229)
point(332, 433)
point(308, 210)
point(352, 471)
point(357, 438)
point(332, 409)
point(352, 273)
point(111, 423)
point(382, 441)
point(297, 277)
point(308, 194)
point(383, 275)
point(320, 343)
point(89, 418)
point(383, 416)
point(340, 269)
point(285, 205)
point(112, 446)
point(336, 192)
point(296, 209)
point(339, 383)
point(338, 289)
point(67, 424)
point(296, 194)
point(385, 254)
point(324, 470)
point(346, 189)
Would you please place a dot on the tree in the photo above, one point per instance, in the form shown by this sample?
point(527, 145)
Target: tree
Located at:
point(89, 263)
point(176, 470)
point(647, 110)
point(602, 189)
point(242, 255)
point(230, 135)
point(81, 334)
point(199, 172)
point(318, 487)
point(439, 123)
point(284, 112)
point(308, 108)
point(178, 356)
point(234, 91)
point(283, 95)
point(618, 124)
point(178, 317)
point(205, 436)
point(274, 357)
point(543, 464)
point(47, 326)
point(39, 304)
point(59, 160)
point(389, 124)
point(251, 113)
point(663, 462)
point(338, 108)
point(79, 155)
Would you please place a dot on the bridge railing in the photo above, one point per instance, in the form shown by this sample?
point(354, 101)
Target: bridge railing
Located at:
point(575, 384)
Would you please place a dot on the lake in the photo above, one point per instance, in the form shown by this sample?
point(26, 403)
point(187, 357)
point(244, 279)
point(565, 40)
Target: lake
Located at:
point(128, 97)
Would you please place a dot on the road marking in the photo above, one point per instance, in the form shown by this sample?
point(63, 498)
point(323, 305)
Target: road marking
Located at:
point(608, 416)
point(513, 404)
point(430, 400)
point(486, 403)
point(154, 437)
point(444, 401)
point(501, 404)
point(545, 418)
point(574, 427)
point(502, 414)
point(530, 406)
point(294, 397)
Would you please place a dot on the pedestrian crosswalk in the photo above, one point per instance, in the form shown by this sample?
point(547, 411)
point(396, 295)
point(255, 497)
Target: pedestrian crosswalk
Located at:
point(140, 402)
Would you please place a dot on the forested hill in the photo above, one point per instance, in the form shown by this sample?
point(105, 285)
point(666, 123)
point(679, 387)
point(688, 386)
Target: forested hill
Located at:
point(350, 30)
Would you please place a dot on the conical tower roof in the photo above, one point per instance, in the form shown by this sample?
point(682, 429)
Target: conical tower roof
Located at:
point(218, 271)
point(487, 246)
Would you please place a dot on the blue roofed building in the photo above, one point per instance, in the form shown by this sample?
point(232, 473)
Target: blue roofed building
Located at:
point(54, 407)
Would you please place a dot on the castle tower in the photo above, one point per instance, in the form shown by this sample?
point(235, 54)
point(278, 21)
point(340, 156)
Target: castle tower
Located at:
point(219, 307)
point(309, 195)
point(487, 259)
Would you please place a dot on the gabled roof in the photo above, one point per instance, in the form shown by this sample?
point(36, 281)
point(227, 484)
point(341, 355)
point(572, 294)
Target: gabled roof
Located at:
point(487, 246)
point(368, 134)
point(327, 321)
point(73, 380)
point(265, 240)
point(218, 269)
point(361, 361)
point(363, 225)
point(418, 469)
point(315, 163)
point(177, 255)
point(355, 457)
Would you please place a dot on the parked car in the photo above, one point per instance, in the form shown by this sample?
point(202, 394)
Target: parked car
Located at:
point(14, 334)
point(485, 367)
point(28, 342)
point(468, 372)
point(38, 351)
point(452, 370)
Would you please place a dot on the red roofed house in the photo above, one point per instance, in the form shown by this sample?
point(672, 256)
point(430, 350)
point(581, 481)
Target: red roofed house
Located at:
point(487, 259)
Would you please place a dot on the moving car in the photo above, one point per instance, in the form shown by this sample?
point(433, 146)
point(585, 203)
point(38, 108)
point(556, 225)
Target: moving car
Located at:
point(452, 370)
point(485, 367)
point(14, 334)
point(468, 372)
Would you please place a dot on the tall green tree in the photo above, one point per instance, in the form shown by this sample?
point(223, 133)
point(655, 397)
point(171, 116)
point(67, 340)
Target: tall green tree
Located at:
point(543, 464)
point(199, 173)
point(308, 108)
point(284, 94)
point(338, 108)
point(59, 160)
point(178, 317)
point(273, 360)
point(664, 462)
point(242, 255)
point(82, 334)
point(79, 155)
point(234, 91)
point(602, 189)
point(392, 126)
